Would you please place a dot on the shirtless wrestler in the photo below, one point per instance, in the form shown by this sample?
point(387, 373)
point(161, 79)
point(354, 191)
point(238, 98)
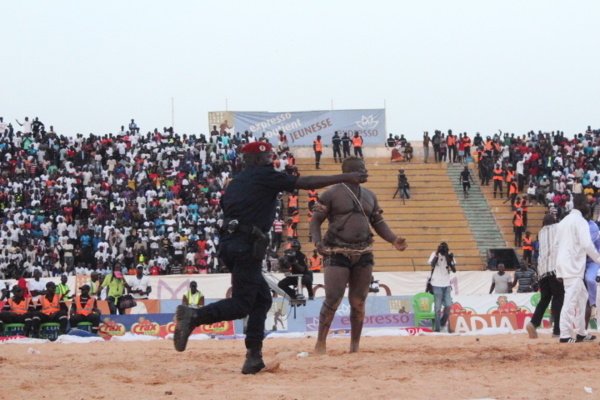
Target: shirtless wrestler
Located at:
point(347, 249)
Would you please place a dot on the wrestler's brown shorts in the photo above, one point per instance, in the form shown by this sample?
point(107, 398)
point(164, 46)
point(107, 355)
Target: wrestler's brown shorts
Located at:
point(348, 261)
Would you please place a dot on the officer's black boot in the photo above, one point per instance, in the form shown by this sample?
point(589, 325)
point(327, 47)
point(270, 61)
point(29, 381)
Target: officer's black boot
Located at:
point(254, 362)
point(186, 320)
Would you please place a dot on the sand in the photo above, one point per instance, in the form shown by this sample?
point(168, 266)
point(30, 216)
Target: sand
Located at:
point(510, 366)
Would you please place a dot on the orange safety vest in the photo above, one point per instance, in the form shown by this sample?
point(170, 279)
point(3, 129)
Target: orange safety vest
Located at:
point(290, 231)
point(498, 175)
point(518, 204)
point(318, 145)
point(292, 201)
point(21, 308)
point(488, 145)
point(513, 188)
point(312, 195)
point(524, 205)
point(467, 141)
point(450, 140)
point(315, 263)
point(296, 217)
point(87, 309)
point(50, 307)
point(518, 220)
point(357, 141)
point(510, 176)
point(527, 244)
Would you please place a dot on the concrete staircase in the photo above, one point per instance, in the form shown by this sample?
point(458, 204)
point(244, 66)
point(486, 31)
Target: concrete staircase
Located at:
point(477, 212)
point(504, 214)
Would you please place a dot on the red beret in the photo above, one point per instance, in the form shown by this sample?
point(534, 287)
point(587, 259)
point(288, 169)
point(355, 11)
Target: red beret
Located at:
point(256, 147)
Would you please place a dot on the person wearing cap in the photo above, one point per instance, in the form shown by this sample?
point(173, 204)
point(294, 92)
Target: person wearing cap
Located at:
point(116, 284)
point(193, 298)
point(140, 284)
point(18, 310)
point(84, 308)
point(249, 206)
point(50, 308)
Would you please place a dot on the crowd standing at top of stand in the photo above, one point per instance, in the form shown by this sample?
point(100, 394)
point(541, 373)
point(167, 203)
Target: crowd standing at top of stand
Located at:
point(73, 205)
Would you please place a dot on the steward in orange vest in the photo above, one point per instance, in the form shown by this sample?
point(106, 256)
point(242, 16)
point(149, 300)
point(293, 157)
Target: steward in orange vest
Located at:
point(513, 191)
point(291, 229)
point(85, 309)
point(292, 202)
point(525, 207)
point(527, 248)
point(313, 196)
point(17, 310)
point(51, 308)
point(467, 143)
point(318, 148)
point(518, 227)
point(315, 262)
point(357, 142)
point(498, 177)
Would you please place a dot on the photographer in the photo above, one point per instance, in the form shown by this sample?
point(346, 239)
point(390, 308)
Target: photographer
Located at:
point(294, 262)
point(442, 263)
point(403, 185)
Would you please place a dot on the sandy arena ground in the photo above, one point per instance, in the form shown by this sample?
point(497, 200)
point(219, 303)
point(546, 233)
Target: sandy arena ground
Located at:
point(450, 367)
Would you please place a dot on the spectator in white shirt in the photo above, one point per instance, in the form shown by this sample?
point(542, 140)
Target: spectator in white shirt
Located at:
point(573, 243)
point(140, 284)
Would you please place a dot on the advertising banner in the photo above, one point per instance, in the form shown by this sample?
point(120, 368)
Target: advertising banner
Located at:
point(154, 325)
point(472, 312)
point(302, 127)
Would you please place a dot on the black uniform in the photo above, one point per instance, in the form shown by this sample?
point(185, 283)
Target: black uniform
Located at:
point(295, 262)
point(251, 199)
point(346, 142)
point(336, 141)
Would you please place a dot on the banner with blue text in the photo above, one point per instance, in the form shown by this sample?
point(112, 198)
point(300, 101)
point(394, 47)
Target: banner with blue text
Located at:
point(302, 127)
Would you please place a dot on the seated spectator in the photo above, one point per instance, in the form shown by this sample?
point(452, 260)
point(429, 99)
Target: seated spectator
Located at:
point(84, 308)
point(50, 308)
point(18, 310)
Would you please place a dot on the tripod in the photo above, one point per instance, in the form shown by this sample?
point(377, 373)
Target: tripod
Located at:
point(401, 194)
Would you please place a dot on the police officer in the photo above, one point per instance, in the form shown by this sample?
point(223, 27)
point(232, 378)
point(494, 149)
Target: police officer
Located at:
point(336, 141)
point(249, 205)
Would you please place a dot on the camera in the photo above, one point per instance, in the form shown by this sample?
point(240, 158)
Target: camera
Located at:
point(290, 253)
point(443, 249)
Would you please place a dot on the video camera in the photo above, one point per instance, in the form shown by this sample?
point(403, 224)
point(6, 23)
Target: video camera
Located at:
point(290, 255)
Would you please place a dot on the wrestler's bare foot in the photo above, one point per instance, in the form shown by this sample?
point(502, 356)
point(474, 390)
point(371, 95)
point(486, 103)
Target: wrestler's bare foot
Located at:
point(320, 349)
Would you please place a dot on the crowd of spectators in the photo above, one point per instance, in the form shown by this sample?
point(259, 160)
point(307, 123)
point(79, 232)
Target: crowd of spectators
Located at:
point(548, 168)
point(73, 205)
